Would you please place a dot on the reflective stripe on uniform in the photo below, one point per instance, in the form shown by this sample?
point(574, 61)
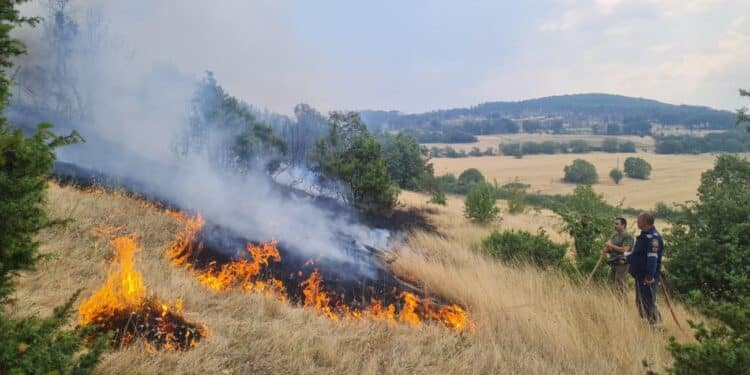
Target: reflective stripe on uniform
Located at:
point(653, 255)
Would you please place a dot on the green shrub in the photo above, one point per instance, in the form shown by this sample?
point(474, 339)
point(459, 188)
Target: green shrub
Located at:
point(479, 205)
point(637, 168)
point(609, 145)
point(580, 172)
point(579, 146)
point(470, 176)
point(439, 197)
point(616, 175)
point(627, 146)
point(516, 196)
point(524, 247)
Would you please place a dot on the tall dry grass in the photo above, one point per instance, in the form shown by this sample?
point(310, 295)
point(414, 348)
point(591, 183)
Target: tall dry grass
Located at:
point(528, 321)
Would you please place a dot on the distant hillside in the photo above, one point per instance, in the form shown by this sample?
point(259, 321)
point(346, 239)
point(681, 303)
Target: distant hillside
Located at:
point(564, 113)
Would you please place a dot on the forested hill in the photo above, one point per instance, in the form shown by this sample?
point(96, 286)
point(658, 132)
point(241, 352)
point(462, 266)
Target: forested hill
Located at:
point(575, 110)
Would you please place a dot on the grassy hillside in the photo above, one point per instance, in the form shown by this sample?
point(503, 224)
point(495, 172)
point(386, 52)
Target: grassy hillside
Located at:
point(527, 321)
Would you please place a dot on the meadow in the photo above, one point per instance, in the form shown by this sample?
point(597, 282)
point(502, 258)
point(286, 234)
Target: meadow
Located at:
point(527, 320)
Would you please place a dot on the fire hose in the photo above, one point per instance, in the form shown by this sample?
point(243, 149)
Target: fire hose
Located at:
point(669, 302)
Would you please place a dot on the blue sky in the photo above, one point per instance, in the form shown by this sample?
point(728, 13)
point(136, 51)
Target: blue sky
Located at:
point(423, 55)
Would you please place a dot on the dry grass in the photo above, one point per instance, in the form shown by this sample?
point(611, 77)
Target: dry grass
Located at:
point(528, 321)
point(674, 178)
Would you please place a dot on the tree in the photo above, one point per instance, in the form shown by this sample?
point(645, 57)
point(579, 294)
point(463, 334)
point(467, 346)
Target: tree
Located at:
point(742, 116)
point(479, 205)
point(580, 172)
point(352, 156)
point(579, 146)
point(301, 135)
point(470, 176)
point(29, 345)
point(524, 247)
point(616, 175)
point(225, 129)
point(708, 267)
point(627, 146)
point(406, 160)
point(609, 145)
point(587, 219)
point(637, 168)
point(532, 126)
point(613, 129)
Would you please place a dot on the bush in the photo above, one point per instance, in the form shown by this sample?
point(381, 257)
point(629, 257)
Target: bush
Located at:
point(516, 195)
point(479, 205)
point(470, 176)
point(609, 145)
point(579, 146)
point(524, 247)
point(627, 146)
point(406, 160)
point(580, 172)
point(616, 175)
point(439, 197)
point(637, 168)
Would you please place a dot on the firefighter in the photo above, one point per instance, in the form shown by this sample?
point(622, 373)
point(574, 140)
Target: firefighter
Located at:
point(645, 266)
point(620, 244)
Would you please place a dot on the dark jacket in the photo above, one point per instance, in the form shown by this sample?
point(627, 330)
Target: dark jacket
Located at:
point(645, 260)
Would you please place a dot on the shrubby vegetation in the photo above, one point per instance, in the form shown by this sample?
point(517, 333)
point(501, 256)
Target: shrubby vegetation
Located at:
point(616, 175)
point(730, 141)
point(637, 168)
point(479, 205)
point(708, 267)
point(407, 161)
point(31, 344)
point(524, 247)
point(580, 172)
point(350, 155)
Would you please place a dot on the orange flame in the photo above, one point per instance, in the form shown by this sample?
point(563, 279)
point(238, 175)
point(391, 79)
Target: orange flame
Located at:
point(246, 275)
point(122, 305)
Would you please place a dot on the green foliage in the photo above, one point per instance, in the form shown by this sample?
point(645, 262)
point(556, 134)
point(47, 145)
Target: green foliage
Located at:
point(711, 240)
point(721, 349)
point(637, 168)
point(406, 160)
point(587, 219)
point(479, 205)
point(616, 175)
point(516, 196)
point(742, 117)
point(580, 172)
point(225, 129)
point(733, 141)
point(439, 197)
point(36, 345)
point(609, 145)
point(470, 176)
point(25, 163)
point(708, 267)
point(627, 146)
point(351, 155)
point(579, 146)
point(29, 345)
point(524, 247)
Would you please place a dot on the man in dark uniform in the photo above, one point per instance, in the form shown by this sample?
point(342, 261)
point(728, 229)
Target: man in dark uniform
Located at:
point(645, 266)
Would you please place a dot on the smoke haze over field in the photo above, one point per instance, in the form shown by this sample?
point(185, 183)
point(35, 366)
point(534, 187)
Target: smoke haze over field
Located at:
point(131, 103)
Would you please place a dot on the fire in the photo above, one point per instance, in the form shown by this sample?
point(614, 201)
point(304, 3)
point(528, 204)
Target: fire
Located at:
point(122, 305)
point(247, 274)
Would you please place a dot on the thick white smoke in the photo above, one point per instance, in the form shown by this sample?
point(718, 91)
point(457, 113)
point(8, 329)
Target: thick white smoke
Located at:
point(135, 101)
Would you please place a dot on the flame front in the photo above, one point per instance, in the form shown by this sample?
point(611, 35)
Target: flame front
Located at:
point(121, 305)
point(247, 275)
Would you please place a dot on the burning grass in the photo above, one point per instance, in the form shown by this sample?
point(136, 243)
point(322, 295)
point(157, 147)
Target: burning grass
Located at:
point(249, 272)
point(122, 306)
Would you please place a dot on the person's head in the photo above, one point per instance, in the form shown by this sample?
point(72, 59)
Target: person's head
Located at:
point(620, 224)
point(645, 221)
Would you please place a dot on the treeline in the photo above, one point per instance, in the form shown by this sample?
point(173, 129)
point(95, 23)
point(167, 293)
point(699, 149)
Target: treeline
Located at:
point(731, 141)
point(610, 145)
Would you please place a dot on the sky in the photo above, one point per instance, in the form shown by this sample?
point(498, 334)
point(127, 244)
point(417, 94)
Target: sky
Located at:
point(417, 56)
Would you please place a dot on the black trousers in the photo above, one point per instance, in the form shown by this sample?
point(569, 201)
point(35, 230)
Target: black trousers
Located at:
point(645, 300)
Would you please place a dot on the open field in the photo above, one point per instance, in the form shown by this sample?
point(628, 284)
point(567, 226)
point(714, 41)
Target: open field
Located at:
point(484, 141)
point(528, 321)
point(674, 178)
